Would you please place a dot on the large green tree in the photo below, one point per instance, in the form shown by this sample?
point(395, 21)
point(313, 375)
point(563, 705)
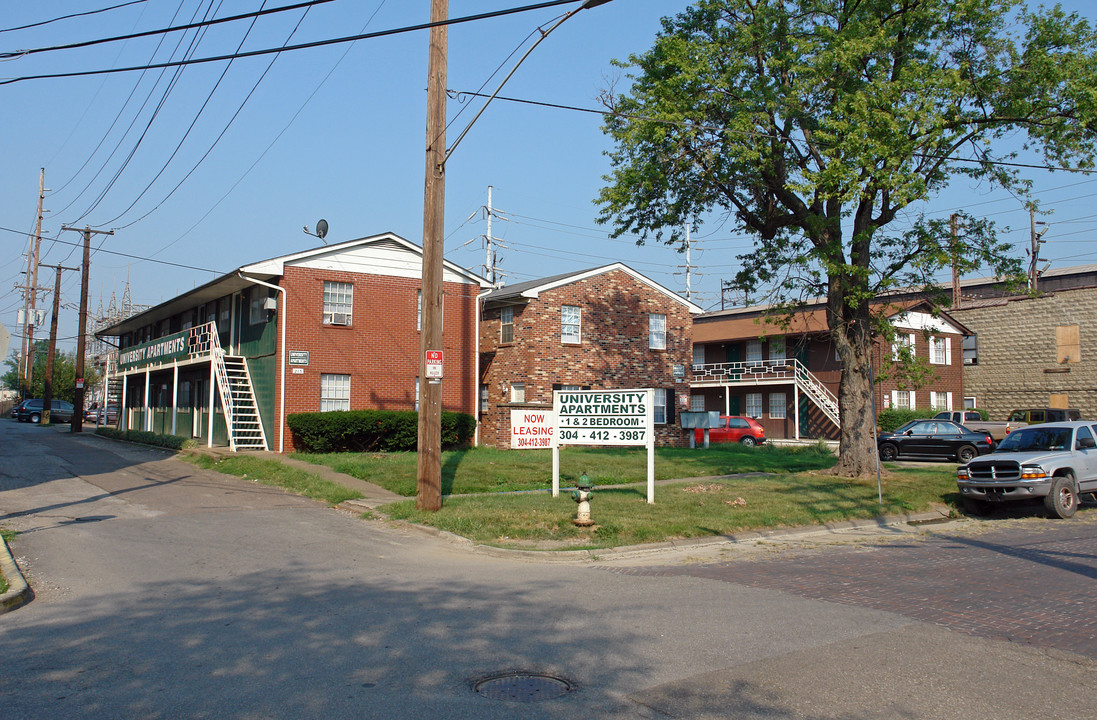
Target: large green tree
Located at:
point(819, 126)
point(64, 373)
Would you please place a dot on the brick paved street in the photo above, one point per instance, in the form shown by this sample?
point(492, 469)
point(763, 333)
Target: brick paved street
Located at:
point(1026, 580)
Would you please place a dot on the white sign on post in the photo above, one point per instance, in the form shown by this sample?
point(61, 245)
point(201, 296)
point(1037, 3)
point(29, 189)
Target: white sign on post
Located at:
point(604, 417)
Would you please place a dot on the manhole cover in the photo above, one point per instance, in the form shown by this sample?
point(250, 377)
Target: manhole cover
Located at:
point(523, 687)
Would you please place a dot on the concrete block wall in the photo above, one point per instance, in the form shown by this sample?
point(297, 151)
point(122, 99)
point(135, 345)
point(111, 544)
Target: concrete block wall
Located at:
point(380, 348)
point(613, 352)
point(1018, 363)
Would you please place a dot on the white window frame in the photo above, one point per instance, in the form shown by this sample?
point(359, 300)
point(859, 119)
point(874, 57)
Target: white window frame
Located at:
point(940, 351)
point(334, 392)
point(971, 403)
point(660, 406)
point(754, 405)
point(777, 348)
point(485, 396)
point(338, 302)
point(657, 331)
point(698, 355)
point(571, 324)
point(418, 311)
point(506, 322)
point(518, 392)
point(778, 406)
point(416, 393)
point(901, 341)
point(754, 351)
point(256, 314)
point(940, 400)
point(907, 396)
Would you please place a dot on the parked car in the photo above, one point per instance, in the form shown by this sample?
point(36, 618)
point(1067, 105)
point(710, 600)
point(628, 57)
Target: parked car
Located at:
point(31, 411)
point(1055, 462)
point(933, 438)
point(1036, 416)
point(733, 428)
point(17, 410)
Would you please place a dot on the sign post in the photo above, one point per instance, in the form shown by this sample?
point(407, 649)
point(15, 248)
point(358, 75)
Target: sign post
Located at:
point(604, 417)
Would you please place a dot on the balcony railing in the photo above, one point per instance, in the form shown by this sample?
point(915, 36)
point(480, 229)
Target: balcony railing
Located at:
point(749, 371)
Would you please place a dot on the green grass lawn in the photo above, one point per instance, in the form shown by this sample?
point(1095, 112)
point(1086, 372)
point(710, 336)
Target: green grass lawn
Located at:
point(698, 508)
point(489, 470)
point(277, 474)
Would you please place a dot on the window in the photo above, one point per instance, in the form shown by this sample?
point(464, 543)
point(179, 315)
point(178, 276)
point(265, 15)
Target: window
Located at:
point(416, 393)
point(698, 355)
point(660, 410)
point(226, 315)
point(777, 407)
point(483, 396)
point(754, 352)
point(657, 331)
point(419, 311)
point(940, 400)
point(1083, 434)
point(970, 403)
point(777, 348)
point(902, 399)
point(1068, 344)
point(940, 351)
point(256, 314)
point(518, 392)
point(696, 403)
point(754, 405)
point(506, 324)
point(903, 341)
point(334, 392)
point(338, 303)
point(570, 316)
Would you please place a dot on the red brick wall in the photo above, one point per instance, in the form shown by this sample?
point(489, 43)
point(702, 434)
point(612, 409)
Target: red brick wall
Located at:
point(613, 352)
point(380, 348)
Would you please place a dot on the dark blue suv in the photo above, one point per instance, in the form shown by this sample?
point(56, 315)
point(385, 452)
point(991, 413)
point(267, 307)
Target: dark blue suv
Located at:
point(31, 411)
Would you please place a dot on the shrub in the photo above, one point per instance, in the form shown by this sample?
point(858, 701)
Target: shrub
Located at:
point(173, 442)
point(893, 418)
point(372, 430)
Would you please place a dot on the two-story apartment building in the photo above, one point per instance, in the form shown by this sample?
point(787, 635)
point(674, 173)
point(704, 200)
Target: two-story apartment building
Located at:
point(329, 328)
point(604, 328)
point(785, 371)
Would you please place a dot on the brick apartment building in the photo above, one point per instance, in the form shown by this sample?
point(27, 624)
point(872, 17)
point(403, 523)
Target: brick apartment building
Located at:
point(604, 328)
point(747, 361)
point(330, 328)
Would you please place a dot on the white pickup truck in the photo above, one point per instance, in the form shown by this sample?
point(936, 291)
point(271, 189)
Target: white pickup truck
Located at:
point(972, 420)
point(1055, 462)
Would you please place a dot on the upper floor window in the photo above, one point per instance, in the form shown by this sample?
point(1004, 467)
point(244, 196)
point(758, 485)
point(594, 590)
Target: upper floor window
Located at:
point(698, 355)
point(257, 314)
point(338, 303)
point(570, 316)
point(334, 392)
point(940, 351)
point(903, 345)
point(776, 348)
point(754, 351)
point(657, 331)
point(506, 324)
point(419, 311)
point(518, 392)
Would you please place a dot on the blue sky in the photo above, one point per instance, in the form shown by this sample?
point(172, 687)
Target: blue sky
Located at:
point(338, 133)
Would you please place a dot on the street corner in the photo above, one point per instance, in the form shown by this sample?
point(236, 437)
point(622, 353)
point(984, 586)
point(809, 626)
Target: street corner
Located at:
point(18, 593)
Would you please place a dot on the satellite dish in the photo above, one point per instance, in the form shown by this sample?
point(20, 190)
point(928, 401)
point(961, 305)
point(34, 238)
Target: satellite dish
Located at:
point(321, 228)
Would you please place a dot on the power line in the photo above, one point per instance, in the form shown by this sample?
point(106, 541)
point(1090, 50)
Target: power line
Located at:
point(163, 31)
point(69, 17)
point(290, 48)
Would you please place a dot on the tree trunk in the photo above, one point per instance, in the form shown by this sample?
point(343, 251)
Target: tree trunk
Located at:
point(851, 331)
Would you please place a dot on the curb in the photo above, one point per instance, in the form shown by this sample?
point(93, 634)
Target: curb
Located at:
point(19, 593)
point(932, 516)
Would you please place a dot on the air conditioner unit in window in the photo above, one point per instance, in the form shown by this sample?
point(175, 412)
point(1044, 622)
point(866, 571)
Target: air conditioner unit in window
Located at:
point(338, 318)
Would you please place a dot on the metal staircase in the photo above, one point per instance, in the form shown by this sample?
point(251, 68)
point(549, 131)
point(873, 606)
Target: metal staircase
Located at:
point(818, 392)
point(245, 427)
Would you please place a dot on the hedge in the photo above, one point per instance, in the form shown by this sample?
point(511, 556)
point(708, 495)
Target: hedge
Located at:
point(173, 442)
point(372, 430)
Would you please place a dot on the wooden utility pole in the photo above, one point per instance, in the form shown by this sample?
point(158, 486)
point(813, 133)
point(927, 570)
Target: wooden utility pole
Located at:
point(429, 488)
point(81, 339)
point(30, 297)
point(47, 383)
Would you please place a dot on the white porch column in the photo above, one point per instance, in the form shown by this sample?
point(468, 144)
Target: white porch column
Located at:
point(148, 409)
point(174, 395)
point(796, 407)
point(123, 411)
point(727, 400)
point(212, 380)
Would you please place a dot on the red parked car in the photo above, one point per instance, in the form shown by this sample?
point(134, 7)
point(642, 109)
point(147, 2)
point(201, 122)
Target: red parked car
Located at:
point(733, 428)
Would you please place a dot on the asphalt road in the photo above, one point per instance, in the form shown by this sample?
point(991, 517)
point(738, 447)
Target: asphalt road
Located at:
point(163, 591)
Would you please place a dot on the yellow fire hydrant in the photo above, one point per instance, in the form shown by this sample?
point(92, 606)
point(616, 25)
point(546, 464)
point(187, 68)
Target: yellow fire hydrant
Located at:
point(582, 495)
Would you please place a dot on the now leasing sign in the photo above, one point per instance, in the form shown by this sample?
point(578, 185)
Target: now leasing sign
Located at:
point(604, 417)
point(530, 429)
